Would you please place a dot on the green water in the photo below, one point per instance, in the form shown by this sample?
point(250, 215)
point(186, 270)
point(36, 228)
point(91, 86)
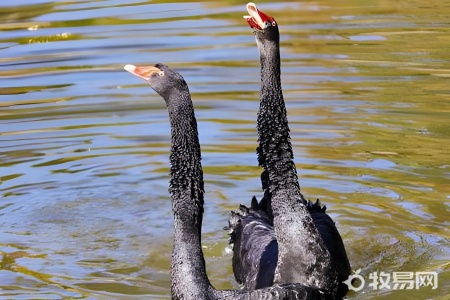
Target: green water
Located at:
point(84, 207)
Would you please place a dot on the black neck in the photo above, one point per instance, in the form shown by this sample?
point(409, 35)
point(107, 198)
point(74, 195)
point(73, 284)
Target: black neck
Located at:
point(275, 149)
point(186, 187)
point(302, 256)
point(185, 158)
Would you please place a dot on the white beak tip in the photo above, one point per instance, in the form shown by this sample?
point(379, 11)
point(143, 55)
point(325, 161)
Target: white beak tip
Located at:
point(130, 68)
point(251, 6)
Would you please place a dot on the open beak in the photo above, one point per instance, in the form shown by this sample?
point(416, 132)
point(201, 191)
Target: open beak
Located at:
point(257, 19)
point(144, 72)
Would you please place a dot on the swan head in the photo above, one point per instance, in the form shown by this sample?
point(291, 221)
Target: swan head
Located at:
point(165, 81)
point(262, 23)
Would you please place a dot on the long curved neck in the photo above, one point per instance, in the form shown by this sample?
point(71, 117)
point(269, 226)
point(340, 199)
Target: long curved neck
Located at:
point(302, 255)
point(275, 149)
point(188, 272)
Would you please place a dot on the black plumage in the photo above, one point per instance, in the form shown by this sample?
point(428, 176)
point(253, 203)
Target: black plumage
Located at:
point(299, 233)
point(188, 272)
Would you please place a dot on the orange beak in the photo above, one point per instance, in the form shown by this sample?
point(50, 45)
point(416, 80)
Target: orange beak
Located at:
point(144, 72)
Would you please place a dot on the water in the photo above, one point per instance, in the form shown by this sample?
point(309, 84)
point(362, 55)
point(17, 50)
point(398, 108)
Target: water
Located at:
point(84, 207)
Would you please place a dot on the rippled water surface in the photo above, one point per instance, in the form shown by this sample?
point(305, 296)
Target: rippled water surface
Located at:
point(84, 207)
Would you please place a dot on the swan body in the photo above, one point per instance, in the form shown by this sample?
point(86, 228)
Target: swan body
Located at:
point(302, 241)
point(188, 270)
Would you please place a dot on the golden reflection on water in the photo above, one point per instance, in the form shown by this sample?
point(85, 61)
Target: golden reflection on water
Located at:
point(85, 211)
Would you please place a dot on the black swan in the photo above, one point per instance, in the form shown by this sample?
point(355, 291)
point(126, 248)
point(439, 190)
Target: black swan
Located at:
point(188, 272)
point(283, 238)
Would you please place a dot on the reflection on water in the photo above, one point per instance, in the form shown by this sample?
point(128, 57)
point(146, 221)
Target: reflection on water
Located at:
point(85, 211)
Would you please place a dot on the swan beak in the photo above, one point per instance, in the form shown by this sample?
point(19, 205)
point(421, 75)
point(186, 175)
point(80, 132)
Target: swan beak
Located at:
point(257, 19)
point(144, 72)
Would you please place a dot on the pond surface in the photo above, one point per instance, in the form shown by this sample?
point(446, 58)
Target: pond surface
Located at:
point(84, 207)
